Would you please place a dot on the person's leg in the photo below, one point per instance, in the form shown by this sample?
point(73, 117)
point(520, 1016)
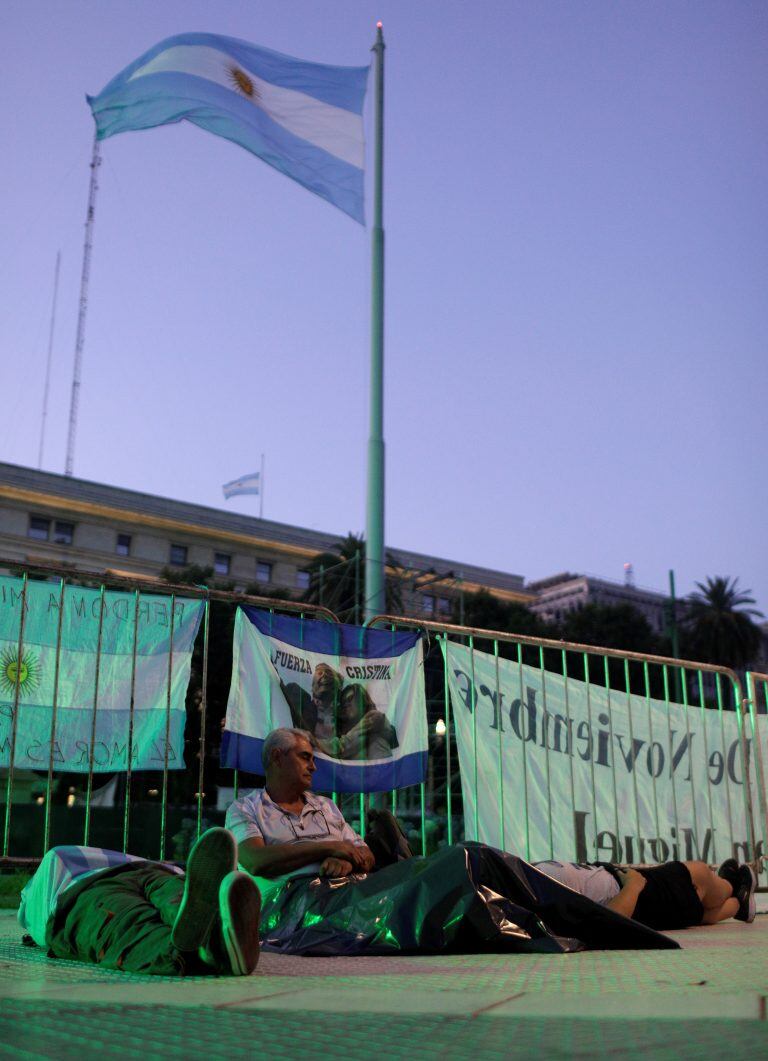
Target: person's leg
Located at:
point(112, 923)
point(715, 893)
point(146, 918)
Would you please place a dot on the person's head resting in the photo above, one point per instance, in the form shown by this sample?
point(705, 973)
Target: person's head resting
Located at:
point(288, 759)
point(356, 701)
point(326, 684)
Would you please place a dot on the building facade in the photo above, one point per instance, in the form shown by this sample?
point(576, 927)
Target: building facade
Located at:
point(55, 519)
point(560, 594)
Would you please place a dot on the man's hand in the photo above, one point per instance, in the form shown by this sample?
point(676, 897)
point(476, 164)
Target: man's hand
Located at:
point(631, 879)
point(359, 855)
point(335, 867)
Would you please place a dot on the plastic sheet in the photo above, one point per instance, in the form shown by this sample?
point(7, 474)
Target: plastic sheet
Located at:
point(467, 898)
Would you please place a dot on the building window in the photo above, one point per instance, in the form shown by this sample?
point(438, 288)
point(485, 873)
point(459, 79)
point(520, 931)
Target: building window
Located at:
point(178, 555)
point(302, 579)
point(263, 571)
point(444, 605)
point(123, 547)
point(221, 562)
point(428, 604)
point(63, 532)
point(39, 528)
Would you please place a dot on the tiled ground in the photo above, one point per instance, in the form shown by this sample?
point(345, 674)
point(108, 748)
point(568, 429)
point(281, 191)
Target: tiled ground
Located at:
point(707, 999)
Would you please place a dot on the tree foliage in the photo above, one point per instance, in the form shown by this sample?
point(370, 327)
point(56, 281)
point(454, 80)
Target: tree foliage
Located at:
point(718, 628)
point(337, 580)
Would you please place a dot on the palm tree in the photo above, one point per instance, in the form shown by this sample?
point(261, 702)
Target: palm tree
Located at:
point(718, 628)
point(337, 581)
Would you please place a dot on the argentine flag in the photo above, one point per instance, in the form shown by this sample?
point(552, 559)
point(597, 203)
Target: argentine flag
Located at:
point(246, 484)
point(303, 118)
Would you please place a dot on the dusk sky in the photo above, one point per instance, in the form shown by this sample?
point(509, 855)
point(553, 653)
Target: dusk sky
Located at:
point(576, 287)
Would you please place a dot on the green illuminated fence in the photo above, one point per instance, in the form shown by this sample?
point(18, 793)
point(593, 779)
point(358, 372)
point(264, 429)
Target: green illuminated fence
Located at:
point(550, 749)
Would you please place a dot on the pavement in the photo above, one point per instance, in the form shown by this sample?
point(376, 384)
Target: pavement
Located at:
point(708, 999)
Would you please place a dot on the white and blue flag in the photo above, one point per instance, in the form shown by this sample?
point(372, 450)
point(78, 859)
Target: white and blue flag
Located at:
point(358, 692)
point(94, 679)
point(246, 484)
point(303, 118)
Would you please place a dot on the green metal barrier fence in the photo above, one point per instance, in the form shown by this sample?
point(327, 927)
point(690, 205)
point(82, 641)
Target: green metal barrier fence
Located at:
point(159, 813)
point(676, 683)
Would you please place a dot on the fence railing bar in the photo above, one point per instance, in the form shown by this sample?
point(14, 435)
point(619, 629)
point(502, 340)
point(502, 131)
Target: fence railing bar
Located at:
point(651, 744)
point(609, 713)
point(670, 746)
point(525, 757)
point(131, 719)
point(54, 709)
point(694, 811)
point(500, 753)
point(19, 663)
point(92, 748)
point(627, 686)
point(203, 718)
point(569, 737)
point(448, 748)
point(702, 710)
point(587, 689)
point(169, 687)
point(474, 698)
point(545, 737)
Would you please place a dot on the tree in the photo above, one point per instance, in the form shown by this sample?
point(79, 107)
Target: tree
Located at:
point(619, 626)
point(337, 580)
point(486, 612)
point(717, 627)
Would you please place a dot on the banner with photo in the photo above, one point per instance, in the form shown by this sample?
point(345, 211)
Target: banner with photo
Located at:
point(570, 770)
point(71, 620)
point(359, 692)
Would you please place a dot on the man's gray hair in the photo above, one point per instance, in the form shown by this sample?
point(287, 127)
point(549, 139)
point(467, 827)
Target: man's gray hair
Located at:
point(283, 740)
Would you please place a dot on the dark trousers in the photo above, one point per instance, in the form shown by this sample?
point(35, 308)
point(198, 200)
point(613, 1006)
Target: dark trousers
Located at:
point(122, 919)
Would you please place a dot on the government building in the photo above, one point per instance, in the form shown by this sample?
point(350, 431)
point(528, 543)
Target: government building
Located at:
point(58, 520)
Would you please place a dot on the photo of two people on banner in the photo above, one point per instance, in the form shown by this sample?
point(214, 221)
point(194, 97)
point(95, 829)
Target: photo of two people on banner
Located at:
point(343, 719)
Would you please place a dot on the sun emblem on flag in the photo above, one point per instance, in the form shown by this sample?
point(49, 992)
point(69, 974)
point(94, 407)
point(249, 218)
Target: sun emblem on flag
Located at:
point(25, 673)
point(243, 83)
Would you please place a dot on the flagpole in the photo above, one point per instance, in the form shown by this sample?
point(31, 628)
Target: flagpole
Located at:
point(374, 552)
point(46, 389)
point(261, 489)
point(80, 340)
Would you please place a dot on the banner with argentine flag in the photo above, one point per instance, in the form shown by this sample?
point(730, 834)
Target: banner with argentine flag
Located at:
point(303, 118)
point(359, 692)
point(89, 657)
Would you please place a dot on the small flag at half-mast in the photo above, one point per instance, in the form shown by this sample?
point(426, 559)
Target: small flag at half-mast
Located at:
point(303, 118)
point(246, 484)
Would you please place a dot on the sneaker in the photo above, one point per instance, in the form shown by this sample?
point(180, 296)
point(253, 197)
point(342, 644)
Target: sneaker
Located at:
point(730, 871)
point(210, 860)
point(233, 945)
point(745, 893)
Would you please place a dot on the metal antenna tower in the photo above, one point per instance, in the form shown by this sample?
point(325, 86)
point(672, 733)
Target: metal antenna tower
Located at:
point(48, 363)
point(80, 341)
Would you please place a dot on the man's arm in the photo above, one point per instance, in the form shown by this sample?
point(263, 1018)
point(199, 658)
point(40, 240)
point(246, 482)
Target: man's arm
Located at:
point(632, 883)
point(274, 860)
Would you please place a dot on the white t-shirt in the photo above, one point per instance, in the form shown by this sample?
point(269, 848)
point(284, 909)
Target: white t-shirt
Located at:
point(593, 881)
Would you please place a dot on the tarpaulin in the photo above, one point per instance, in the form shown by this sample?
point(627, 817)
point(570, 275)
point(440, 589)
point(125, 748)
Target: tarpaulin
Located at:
point(463, 899)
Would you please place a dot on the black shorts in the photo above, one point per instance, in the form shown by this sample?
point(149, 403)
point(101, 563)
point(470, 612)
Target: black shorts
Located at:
point(669, 899)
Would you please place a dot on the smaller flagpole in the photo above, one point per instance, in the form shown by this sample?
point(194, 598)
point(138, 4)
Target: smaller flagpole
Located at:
point(80, 340)
point(48, 362)
point(261, 489)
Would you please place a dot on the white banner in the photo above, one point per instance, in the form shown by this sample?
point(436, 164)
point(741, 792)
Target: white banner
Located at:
point(78, 690)
point(359, 692)
point(561, 769)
